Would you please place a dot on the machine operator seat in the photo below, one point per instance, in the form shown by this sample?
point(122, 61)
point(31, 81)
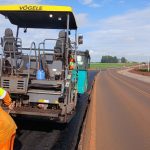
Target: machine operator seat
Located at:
point(60, 44)
point(9, 44)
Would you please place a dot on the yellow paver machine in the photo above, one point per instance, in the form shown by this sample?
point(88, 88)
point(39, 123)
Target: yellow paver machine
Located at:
point(38, 78)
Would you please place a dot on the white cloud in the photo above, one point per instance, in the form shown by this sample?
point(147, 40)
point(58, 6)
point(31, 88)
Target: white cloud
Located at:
point(94, 5)
point(82, 19)
point(121, 2)
point(123, 35)
point(90, 3)
point(20, 1)
point(86, 2)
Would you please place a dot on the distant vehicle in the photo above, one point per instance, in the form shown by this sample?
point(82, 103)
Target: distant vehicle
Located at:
point(38, 78)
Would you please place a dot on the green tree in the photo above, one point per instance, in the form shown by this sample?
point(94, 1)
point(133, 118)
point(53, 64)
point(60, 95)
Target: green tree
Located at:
point(109, 59)
point(123, 60)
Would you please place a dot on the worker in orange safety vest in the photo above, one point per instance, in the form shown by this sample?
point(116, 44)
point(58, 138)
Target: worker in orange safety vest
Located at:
point(7, 124)
point(71, 62)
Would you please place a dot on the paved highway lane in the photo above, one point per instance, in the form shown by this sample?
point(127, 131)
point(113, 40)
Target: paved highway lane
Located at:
point(122, 113)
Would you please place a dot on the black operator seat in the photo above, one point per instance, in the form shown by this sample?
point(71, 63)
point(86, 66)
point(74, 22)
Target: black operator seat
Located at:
point(61, 42)
point(9, 43)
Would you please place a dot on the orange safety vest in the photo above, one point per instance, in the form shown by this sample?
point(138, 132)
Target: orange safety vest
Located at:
point(7, 124)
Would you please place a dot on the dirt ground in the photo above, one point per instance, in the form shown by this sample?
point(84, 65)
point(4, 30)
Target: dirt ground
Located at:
point(118, 116)
point(137, 71)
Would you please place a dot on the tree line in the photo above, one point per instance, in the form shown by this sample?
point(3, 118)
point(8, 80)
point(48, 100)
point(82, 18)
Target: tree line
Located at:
point(112, 59)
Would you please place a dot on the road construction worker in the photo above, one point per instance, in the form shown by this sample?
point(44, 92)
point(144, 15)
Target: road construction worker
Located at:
point(71, 62)
point(7, 124)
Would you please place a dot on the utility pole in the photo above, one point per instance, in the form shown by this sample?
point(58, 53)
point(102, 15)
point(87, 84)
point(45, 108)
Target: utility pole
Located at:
point(139, 62)
point(148, 64)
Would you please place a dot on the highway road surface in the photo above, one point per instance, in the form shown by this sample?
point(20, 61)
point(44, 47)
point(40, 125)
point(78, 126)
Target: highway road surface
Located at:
point(122, 112)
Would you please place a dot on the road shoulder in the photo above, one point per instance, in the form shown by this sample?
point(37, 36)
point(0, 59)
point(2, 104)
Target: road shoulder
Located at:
point(135, 76)
point(88, 135)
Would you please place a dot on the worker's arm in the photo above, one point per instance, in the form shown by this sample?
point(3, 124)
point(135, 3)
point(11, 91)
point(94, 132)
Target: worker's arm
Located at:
point(7, 100)
point(4, 95)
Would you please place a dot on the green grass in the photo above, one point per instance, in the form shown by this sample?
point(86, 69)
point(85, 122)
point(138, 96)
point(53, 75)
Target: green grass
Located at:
point(144, 70)
point(109, 65)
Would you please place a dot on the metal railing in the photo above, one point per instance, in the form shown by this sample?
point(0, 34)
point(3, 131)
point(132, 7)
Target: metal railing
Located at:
point(12, 54)
point(32, 48)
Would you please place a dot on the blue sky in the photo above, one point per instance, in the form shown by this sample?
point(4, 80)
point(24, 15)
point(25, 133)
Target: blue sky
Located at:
point(110, 27)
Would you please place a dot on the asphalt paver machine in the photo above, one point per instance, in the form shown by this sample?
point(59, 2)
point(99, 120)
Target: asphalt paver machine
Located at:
point(38, 78)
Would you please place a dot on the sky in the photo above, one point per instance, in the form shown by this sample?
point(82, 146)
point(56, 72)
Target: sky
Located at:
point(110, 27)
